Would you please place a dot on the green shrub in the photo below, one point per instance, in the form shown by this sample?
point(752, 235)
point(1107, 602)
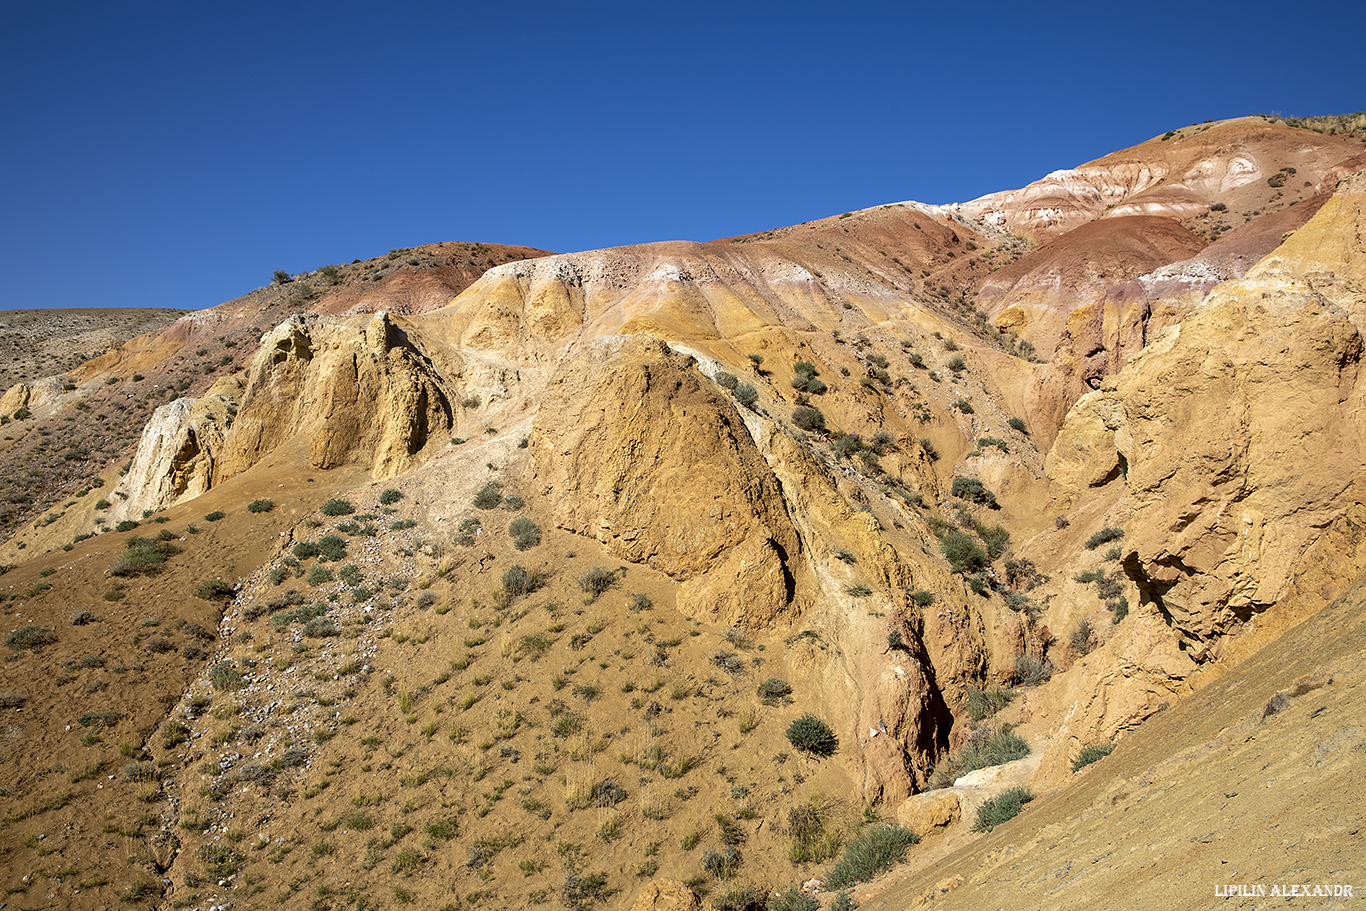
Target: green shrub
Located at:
point(922, 598)
point(390, 496)
point(1001, 808)
point(792, 900)
point(305, 550)
point(722, 863)
point(964, 553)
point(774, 690)
point(982, 704)
point(746, 395)
point(350, 574)
point(215, 515)
point(1082, 638)
point(321, 627)
point(489, 496)
point(331, 548)
point(963, 405)
point(260, 506)
point(126, 525)
point(1093, 752)
point(282, 277)
point(985, 747)
point(337, 507)
point(30, 637)
point(518, 581)
point(525, 534)
point(1120, 607)
point(995, 537)
point(727, 381)
point(973, 490)
point(808, 419)
point(875, 851)
point(843, 902)
point(214, 590)
point(103, 504)
point(318, 575)
point(1031, 671)
point(812, 735)
point(597, 580)
point(143, 557)
point(1104, 536)
point(225, 677)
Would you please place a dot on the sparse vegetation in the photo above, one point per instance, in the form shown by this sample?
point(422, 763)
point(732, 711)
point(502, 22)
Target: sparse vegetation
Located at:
point(30, 637)
point(525, 533)
point(1104, 536)
point(1093, 752)
point(812, 735)
point(596, 581)
point(260, 506)
point(986, 746)
point(214, 590)
point(490, 496)
point(337, 507)
point(1001, 808)
point(876, 850)
point(143, 557)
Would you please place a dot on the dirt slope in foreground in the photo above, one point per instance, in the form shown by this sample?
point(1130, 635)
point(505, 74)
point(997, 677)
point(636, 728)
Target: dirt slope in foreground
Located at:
point(1257, 779)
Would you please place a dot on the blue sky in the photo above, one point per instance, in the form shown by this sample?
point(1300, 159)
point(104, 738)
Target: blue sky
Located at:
point(176, 154)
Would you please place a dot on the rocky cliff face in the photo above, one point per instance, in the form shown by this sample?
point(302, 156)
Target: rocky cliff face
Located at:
point(1236, 437)
point(638, 451)
point(351, 390)
point(178, 455)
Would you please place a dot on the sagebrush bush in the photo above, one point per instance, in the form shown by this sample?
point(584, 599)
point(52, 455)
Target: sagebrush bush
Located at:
point(143, 557)
point(876, 850)
point(973, 490)
point(812, 735)
point(597, 580)
point(1082, 638)
point(331, 548)
point(722, 863)
point(260, 506)
point(305, 550)
point(225, 677)
point(518, 581)
point(1001, 808)
point(792, 900)
point(338, 507)
point(390, 496)
point(964, 553)
point(1104, 536)
point(982, 704)
point(808, 419)
point(774, 690)
point(214, 590)
point(1093, 752)
point(1031, 671)
point(525, 533)
point(490, 496)
point(1017, 425)
point(30, 637)
point(746, 394)
point(215, 515)
point(984, 747)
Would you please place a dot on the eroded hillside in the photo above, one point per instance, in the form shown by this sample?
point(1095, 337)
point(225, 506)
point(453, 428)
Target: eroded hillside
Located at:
point(518, 588)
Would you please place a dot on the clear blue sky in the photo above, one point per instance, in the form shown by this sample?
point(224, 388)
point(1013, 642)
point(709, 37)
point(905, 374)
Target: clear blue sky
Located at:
point(175, 154)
